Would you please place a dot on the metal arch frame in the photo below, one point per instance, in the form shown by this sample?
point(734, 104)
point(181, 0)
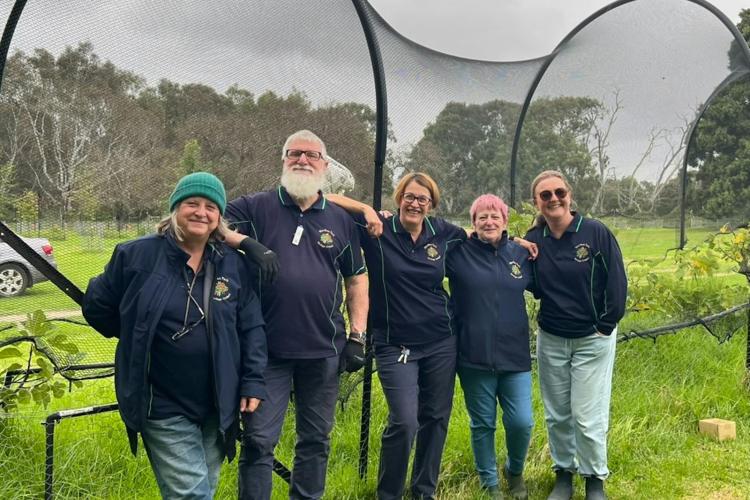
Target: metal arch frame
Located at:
point(381, 137)
point(731, 78)
point(10, 28)
point(364, 11)
point(540, 74)
point(381, 142)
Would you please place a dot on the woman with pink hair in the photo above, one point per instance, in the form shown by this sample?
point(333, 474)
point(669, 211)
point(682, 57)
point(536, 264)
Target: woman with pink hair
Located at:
point(488, 275)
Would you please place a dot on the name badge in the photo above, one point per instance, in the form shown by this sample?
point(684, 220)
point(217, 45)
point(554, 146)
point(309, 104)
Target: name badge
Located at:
point(298, 235)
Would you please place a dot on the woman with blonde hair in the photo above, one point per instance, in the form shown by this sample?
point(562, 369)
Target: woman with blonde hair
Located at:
point(192, 347)
point(581, 283)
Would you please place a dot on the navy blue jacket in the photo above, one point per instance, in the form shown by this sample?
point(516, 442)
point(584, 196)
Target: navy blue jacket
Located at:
point(580, 279)
point(487, 292)
point(127, 300)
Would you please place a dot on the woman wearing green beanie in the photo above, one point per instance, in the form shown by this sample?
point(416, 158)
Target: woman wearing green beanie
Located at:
point(192, 345)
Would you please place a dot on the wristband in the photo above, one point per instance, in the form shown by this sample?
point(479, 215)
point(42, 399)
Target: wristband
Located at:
point(358, 337)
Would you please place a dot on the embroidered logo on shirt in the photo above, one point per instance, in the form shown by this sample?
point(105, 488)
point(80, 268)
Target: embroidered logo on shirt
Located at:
point(221, 289)
point(515, 269)
point(432, 251)
point(583, 252)
point(325, 240)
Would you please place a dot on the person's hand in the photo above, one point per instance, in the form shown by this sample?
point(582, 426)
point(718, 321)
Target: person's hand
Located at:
point(267, 260)
point(386, 213)
point(233, 238)
point(374, 224)
point(529, 246)
point(249, 405)
point(353, 356)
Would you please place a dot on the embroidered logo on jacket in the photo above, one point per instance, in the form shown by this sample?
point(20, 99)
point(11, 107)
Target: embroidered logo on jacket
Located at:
point(432, 251)
point(221, 289)
point(515, 269)
point(583, 252)
point(325, 240)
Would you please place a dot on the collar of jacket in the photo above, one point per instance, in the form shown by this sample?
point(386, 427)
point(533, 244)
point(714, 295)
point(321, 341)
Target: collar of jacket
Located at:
point(474, 238)
point(180, 256)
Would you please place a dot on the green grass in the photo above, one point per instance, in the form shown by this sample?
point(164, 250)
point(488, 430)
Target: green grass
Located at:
point(660, 391)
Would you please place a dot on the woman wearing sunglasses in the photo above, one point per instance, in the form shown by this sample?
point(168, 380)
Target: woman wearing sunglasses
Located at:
point(192, 348)
point(581, 283)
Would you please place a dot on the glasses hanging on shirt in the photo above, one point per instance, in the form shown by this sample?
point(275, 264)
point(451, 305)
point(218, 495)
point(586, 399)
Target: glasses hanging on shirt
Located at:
point(190, 299)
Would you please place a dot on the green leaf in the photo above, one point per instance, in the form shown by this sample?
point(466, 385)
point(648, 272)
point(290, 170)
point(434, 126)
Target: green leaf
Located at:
point(47, 369)
point(10, 352)
point(24, 396)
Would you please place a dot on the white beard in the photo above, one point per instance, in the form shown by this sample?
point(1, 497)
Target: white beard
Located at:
point(300, 185)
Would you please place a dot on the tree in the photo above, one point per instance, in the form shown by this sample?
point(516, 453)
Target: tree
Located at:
point(66, 109)
point(467, 149)
point(720, 154)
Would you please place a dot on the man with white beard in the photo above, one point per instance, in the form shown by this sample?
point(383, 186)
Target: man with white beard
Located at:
point(317, 245)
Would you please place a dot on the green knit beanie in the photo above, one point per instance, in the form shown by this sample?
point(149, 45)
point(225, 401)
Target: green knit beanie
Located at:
point(199, 184)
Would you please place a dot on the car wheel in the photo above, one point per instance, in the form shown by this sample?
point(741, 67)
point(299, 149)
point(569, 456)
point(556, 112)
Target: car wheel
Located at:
point(13, 280)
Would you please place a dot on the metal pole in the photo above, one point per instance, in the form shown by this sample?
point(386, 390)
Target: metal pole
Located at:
point(364, 425)
point(49, 454)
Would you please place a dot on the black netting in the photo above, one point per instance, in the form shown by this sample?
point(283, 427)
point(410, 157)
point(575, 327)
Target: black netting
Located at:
point(104, 105)
point(615, 107)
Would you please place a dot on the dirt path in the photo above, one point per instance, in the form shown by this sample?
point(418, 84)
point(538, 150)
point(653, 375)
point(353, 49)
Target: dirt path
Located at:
point(13, 318)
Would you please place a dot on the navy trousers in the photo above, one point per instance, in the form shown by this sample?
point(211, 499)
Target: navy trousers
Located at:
point(420, 397)
point(315, 383)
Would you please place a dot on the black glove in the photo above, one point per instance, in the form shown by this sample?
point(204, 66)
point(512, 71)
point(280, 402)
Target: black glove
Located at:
point(353, 356)
point(266, 259)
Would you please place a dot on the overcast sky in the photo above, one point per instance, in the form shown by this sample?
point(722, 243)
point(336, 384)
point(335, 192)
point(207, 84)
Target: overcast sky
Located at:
point(499, 30)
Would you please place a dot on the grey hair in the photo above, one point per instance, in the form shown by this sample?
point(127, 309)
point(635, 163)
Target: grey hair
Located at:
point(303, 135)
point(168, 225)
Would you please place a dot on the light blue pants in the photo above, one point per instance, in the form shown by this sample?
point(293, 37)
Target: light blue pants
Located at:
point(575, 377)
point(185, 457)
point(483, 389)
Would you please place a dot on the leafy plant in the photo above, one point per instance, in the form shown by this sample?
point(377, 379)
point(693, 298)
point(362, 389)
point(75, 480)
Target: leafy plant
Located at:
point(32, 375)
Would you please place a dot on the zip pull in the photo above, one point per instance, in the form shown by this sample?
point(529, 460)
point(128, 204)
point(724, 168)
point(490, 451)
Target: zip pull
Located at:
point(404, 355)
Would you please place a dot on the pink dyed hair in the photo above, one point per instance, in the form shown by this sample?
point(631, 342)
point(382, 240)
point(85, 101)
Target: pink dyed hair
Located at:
point(488, 202)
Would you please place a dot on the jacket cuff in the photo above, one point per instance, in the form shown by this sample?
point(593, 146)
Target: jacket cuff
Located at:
point(253, 390)
point(605, 328)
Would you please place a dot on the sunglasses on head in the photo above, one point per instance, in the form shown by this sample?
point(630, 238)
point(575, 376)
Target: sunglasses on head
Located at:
point(546, 195)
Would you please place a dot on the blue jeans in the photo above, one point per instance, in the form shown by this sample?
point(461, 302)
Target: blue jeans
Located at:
point(483, 389)
point(575, 377)
point(185, 456)
point(316, 387)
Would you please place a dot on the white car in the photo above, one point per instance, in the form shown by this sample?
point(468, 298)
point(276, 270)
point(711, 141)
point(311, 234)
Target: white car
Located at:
point(16, 274)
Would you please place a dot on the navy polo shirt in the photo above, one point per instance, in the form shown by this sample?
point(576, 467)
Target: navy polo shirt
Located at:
point(302, 309)
point(180, 374)
point(408, 304)
point(487, 293)
point(580, 279)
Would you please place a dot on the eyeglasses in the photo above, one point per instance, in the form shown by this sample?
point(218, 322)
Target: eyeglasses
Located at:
point(421, 200)
point(546, 195)
point(296, 154)
point(185, 327)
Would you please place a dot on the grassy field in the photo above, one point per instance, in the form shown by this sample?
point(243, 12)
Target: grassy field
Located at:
point(660, 391)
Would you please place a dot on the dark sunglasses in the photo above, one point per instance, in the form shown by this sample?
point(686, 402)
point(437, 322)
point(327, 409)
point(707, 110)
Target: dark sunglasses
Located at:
point(546, 195)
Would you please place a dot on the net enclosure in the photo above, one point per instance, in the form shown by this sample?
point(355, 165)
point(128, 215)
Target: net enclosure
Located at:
point(105, 105)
